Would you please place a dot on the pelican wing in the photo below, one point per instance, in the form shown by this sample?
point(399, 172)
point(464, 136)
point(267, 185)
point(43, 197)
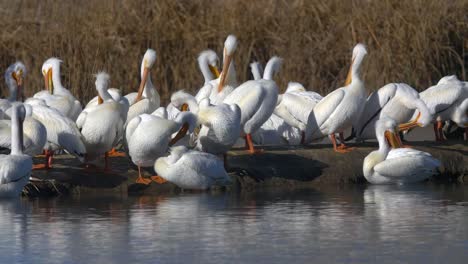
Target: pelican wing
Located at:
point(248, 97)
point(442, 96)
point(131, 127)
point(13, 168)
point(327, 106)
point(374, 104)
point(407, 163)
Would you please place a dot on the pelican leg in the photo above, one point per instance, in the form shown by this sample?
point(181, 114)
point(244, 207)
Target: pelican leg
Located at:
point(342, 140)
point(140, 179)
point(47, 163)
point(303, 138)
point(335, 147)
point(49, 157)
point(440, 133)
point(436, 132)
point(250, 146)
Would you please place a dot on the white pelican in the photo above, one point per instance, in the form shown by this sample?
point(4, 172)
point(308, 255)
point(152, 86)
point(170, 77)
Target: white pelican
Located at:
point(15, 168)
point(208, 63)
point(62, 132)
point(55, 95)
point(116, 95)
point(149, 136)
point(216, 90)
point(339, 109)
point(275, 131)
point(101, 125)
point(220, 123)
point(190, 169)
point(394, 100)
point(147, 99)
point(448, 99)
point(295, 107)
point(34, 133)
point(396, 166)
point(14, 76)
point(257, 100)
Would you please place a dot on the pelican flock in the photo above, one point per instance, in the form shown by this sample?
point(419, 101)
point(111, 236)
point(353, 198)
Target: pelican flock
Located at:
point(186, 141)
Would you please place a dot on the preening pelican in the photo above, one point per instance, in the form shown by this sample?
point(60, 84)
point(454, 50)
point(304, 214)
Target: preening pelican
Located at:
point(149, 136)
point(275, 131)
point(220, 123)
point(396, 101)
point(116, 95)
point(62, 132)
point(448, 100)
point(101, 125)
point(216, 90)
point(191, 169)
point(147, 99)
point(257, 100)
point(398, 165)
point(339, 109)
point(55, 95)
point(14, 76)
point(295, 107)
point(34, 133)
point(15, 168)
point(208, 63)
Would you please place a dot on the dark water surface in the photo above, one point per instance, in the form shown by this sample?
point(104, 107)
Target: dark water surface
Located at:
point(384, 224)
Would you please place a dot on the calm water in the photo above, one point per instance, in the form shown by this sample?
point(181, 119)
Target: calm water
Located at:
point(427, 224)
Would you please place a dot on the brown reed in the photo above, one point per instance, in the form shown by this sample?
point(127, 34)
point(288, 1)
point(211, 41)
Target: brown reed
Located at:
point(414, 41)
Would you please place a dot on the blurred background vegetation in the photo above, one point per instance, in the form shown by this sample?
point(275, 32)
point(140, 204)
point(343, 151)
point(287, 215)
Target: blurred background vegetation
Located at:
point(413, 41)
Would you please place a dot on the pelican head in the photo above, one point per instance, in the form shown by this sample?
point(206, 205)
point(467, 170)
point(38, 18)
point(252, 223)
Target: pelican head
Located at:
point(295, 87)
point(102, 83)
point(14, 76)
point(210, 58)
point(359, 52)
point(148, 61)
point(388, 128)
point(50, 66)
point(230, 46)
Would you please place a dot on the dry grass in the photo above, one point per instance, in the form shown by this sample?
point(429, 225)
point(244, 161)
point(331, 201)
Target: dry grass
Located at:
point(414, 41)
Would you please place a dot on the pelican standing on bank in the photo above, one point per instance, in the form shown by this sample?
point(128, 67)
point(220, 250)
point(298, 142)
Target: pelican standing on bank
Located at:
point(62, 133)
point(149, 136)
point(257, 100)
point(339, 109)
point(397, 165)
point(55, 95)
point(101, 125)
point(190, 169)
point(15, 169)
point(147, 99)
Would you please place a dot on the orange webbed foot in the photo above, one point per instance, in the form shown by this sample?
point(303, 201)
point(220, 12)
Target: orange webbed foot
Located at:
point(115, 153)
point(142, 180)
point(40, 167)
point(158, 179)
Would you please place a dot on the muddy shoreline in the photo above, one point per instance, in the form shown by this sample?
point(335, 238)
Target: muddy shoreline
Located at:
point(277, 167)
